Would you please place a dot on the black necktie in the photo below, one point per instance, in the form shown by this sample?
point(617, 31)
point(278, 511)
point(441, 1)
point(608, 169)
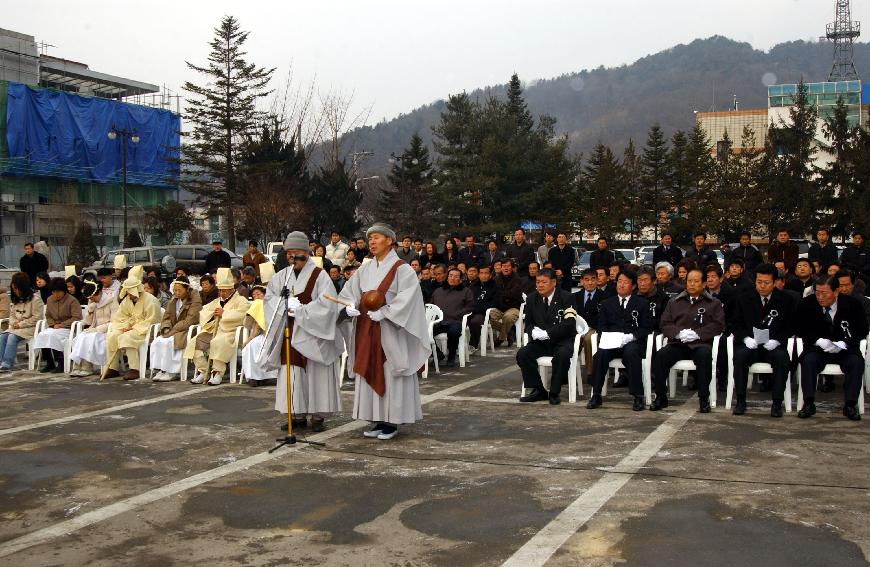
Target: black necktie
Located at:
point(764, 301)
point(588, 297)
point(622, 301)
point(692, 301)
point(828, 316)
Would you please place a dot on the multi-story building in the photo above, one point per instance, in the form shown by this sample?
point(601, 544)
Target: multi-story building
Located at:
point(71, 140)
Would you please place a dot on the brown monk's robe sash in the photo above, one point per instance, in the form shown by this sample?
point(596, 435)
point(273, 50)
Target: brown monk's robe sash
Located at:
point(369, 357)
point(296, 358)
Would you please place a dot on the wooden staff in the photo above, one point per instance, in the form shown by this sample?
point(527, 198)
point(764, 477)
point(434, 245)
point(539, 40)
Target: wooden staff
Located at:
point(337, 300)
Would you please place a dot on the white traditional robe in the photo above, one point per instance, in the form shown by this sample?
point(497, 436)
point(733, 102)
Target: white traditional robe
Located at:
point(404, 338)
point(90, 344)
point(316, 388)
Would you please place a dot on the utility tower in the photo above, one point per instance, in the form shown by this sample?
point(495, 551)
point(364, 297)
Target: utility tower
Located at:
point(843, 32)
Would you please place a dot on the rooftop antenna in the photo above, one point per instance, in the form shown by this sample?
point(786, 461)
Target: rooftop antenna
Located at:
point(843, 32)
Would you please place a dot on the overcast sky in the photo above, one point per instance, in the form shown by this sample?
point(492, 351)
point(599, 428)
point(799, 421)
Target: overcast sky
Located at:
point(396, 55)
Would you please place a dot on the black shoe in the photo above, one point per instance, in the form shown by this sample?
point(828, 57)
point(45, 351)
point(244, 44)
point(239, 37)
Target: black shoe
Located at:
point(498, 342)
point(808, 410)
point(704, 406)
point(57, 369)
point(739, 407)
point(534, 396)
point(776, 409)
point(45, 369)
point(594, 401)
point(317, 424)
point(852, 413)
point(639, 404)
point(555, 401)
point(661, 402)
point(827, 385)
point(258, 383)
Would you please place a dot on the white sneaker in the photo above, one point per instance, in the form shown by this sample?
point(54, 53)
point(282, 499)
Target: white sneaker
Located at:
point(215, 379)
point(388, 436)
point(158, 377)
point(373, 432)
point(199, 378)
point(472, 350)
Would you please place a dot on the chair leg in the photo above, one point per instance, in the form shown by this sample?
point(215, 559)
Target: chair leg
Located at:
point(729, 390)
point(672, 382)
point(788, 393)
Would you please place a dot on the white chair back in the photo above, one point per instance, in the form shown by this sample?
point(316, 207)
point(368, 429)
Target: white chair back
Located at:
point(434, 313)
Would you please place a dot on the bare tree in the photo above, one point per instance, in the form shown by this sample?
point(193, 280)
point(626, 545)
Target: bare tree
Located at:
point(335, 107)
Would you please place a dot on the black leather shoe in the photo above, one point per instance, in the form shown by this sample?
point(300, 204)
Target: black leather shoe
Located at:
point(661, 402)
point(594, 401)
point(534, 396)
point(45, 369)
point(739, 407)
point(807, 411)
point(555, 401)
point(776, 409)
point(704, 406)
point(827, 385)
point(852, 413)
point(639, 404)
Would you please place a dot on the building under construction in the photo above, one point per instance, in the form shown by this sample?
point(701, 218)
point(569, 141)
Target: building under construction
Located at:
point(71, 139)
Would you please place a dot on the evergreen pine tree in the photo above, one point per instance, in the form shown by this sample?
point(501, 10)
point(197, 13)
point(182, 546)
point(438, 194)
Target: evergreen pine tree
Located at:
point(655, 176)
point(604, 183)
point(223, 112)
point(409, 205)
point(133, 240)
point(82, 250)
point(333, 199)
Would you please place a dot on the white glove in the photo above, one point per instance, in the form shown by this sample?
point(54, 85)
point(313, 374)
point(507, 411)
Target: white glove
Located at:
point(842, 345)
point(750, 343)
point(627, 338)
point(688, 335)
point(352, 311)
point(824, 344)
point(377, 315)
point(293, 303)
point(771, 344)
point(539, 334)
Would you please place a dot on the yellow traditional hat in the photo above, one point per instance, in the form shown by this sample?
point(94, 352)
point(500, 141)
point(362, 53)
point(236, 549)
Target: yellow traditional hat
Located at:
point(267, 270)
point(69, 271)
point(133, 283)
point(120, 262)
point(225, 279)
point(318, 261)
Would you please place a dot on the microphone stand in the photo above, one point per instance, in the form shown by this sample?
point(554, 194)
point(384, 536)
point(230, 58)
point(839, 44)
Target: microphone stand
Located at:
point(290, 439)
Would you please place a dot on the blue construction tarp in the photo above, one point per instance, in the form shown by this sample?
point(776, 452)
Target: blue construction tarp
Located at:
point(57, 134)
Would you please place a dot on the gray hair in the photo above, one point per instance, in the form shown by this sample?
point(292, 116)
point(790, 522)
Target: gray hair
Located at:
point(667, 266)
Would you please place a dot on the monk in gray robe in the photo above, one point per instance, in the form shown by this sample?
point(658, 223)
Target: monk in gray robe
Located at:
point(315, 343)
point(387, 344)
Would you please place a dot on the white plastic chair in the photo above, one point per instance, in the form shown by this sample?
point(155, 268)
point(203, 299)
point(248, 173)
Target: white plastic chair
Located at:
point(755, 368)
point(616, 364)
point(433, 315)
point(237, 353)
point(185, 362)
point(685, 366)
point(575, 384)
point(486, 333)
point(464, 342)
point(830, 370)
point(521, 321)
point(34, 354)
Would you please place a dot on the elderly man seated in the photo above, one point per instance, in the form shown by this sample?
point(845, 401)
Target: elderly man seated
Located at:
point(181, 312)
point(137, 311)
point(218, 322)
point(89, 347)
point(61, 311)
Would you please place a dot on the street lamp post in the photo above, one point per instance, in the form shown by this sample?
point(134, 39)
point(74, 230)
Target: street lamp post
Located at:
point(134, 138)
point(401, 161)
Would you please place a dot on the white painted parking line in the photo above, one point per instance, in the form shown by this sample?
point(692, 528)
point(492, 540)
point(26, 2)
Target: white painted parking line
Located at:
point(538, 550)
point(114, 409)
point(72, 525)
point(481, 399)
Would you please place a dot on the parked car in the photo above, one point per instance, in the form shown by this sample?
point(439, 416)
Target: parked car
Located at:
point(628, 254)
point(583, 263)
point(169, 258)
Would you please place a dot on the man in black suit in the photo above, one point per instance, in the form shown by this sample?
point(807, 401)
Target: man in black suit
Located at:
point(629, 315)
point(832, 326)
point(551, 325)
point(765, 308)
point(738, 278)
point(562, 257)
point(657, 298)
point(667, 252)
point(586, 303)
point(602, 257)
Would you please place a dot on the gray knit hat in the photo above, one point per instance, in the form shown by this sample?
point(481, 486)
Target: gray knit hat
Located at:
point(296, 240)
point(382, 228)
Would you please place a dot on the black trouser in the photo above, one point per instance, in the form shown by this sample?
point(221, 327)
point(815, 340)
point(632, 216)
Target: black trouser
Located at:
point(475, 322)
point(52, 357)
point(671, 353)
point(632, 358)
point(527, 359)
point(814, 360)
point(777, 358)
point(454, 331)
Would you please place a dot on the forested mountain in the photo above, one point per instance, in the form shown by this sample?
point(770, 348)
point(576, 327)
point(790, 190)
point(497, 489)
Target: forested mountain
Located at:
point(614, 105)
